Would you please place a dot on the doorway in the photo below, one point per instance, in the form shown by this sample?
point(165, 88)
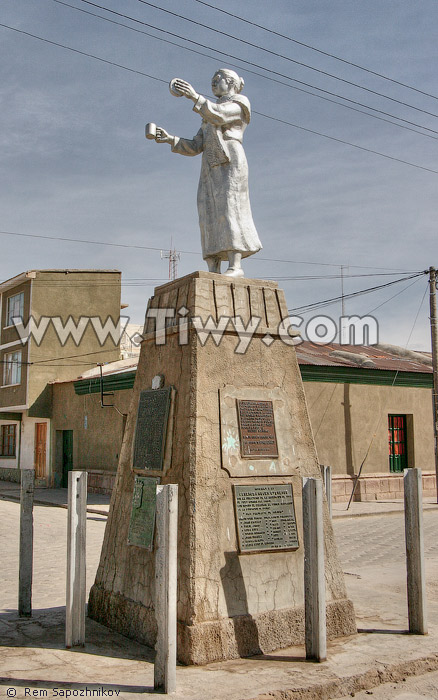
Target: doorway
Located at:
point(40, 450)
point(67, 456)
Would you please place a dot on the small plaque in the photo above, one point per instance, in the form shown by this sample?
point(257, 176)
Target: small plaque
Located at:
point(142, 524)
point(265, 516)
point(151, 429)
point(257, 429)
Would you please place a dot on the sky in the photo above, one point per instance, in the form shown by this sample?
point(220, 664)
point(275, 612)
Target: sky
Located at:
point(327, 183)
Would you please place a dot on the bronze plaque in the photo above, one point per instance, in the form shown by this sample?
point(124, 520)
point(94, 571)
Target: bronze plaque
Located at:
point(257, 429)
point(265, 516)
point(151, 428)
point(142, 523)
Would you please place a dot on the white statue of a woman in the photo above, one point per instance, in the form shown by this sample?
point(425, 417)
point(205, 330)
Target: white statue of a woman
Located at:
point(225, 219)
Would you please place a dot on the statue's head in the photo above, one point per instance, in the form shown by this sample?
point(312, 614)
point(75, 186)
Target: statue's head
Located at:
point(233, 81)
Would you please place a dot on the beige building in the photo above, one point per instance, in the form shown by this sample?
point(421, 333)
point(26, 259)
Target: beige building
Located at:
point(52, 327)
point(371, 412)
point(369, 407)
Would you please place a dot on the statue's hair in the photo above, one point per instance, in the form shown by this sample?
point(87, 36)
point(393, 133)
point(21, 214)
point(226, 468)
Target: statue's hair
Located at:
point(232, 78)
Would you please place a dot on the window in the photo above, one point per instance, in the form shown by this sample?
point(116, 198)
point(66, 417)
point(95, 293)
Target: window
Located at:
point(12, 368)
point(8, 437)
point(15, 308)
point(398, 457)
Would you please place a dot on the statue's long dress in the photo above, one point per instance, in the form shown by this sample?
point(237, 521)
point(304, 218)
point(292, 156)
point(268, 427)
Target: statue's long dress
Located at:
point(225, 217)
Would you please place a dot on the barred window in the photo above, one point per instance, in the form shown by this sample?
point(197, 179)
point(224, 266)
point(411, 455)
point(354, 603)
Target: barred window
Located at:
point(8, 439)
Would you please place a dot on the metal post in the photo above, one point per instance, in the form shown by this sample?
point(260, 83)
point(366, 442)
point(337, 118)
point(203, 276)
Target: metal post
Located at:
point(314, 574)
point(434, 334)
point(326, 473)
point(76, 542)
point(416, 579)
point(26, 543)
point(166, 587)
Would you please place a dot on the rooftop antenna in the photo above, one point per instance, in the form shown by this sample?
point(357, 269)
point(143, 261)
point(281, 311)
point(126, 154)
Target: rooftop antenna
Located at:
point(174, 258)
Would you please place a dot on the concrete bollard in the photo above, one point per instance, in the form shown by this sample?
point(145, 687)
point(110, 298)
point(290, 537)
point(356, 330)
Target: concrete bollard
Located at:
point(166, 587)
point(326, 473)
point(26, 543)
point(76, 561)
point(416, 579)
point(314, 573)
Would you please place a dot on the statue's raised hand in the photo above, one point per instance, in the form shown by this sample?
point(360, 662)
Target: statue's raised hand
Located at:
point(162, 136)
point(185, 89)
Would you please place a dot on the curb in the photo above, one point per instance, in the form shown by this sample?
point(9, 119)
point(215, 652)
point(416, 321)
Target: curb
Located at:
point(38, 502)
point(343, 515)
point(340, 687)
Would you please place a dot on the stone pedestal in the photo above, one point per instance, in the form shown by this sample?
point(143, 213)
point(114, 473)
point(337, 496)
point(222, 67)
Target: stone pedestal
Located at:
point(230, 604)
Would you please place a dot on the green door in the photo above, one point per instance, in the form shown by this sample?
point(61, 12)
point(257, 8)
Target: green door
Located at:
point(67, 456)
point(398, 458)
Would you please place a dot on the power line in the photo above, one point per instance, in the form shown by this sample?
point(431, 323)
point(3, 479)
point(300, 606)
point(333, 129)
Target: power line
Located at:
point(394, 296)
point(187, 252)
point(278, 55)
point(131, 70)
point(256, 65)
point(313, 48)
point(83, 53)
point(333, 300)
point(347, 143)
point(248, 70)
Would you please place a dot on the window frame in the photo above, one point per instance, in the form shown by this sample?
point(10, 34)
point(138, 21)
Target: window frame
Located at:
point(8, 366)
point(8, 440)
point(12, 314)
point(398, 443)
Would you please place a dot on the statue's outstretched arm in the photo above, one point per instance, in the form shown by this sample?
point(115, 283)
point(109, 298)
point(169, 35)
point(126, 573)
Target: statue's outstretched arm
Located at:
point(162, 136)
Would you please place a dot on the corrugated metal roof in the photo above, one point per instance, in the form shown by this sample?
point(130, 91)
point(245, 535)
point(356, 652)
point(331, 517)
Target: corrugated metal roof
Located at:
point(333, 355)
point(311, 354)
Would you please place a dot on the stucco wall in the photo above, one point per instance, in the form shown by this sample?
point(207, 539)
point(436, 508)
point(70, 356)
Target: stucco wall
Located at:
point(79, 294)
point(344, 418)
point(97, 431)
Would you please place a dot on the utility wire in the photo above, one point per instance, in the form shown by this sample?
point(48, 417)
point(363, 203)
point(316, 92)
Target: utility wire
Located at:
point(278, 55)
point(393, 296)
point(100, 352)
point(346, 143)
point(256, 65)
point(83, 53)
point(313, 48)
point(248, 70)
point(131, 70)
point(333, 300)
point(145, 281)
point(188, 252)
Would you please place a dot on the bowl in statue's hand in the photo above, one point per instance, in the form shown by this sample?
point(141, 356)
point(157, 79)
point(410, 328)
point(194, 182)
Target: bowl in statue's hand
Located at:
point(172, 88)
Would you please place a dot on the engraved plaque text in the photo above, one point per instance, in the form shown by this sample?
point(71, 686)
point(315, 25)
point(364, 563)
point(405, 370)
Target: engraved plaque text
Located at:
point(142, 523)
point(257, 429)
point(151, 428)
point(265, 516)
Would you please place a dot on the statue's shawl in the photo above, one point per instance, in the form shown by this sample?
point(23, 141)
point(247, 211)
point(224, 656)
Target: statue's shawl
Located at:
point(216, 151)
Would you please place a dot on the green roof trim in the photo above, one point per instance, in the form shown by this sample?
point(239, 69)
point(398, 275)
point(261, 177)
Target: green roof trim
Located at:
point(309, 373)
point(111, 382)
point(359, 375)
point(11, 416)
